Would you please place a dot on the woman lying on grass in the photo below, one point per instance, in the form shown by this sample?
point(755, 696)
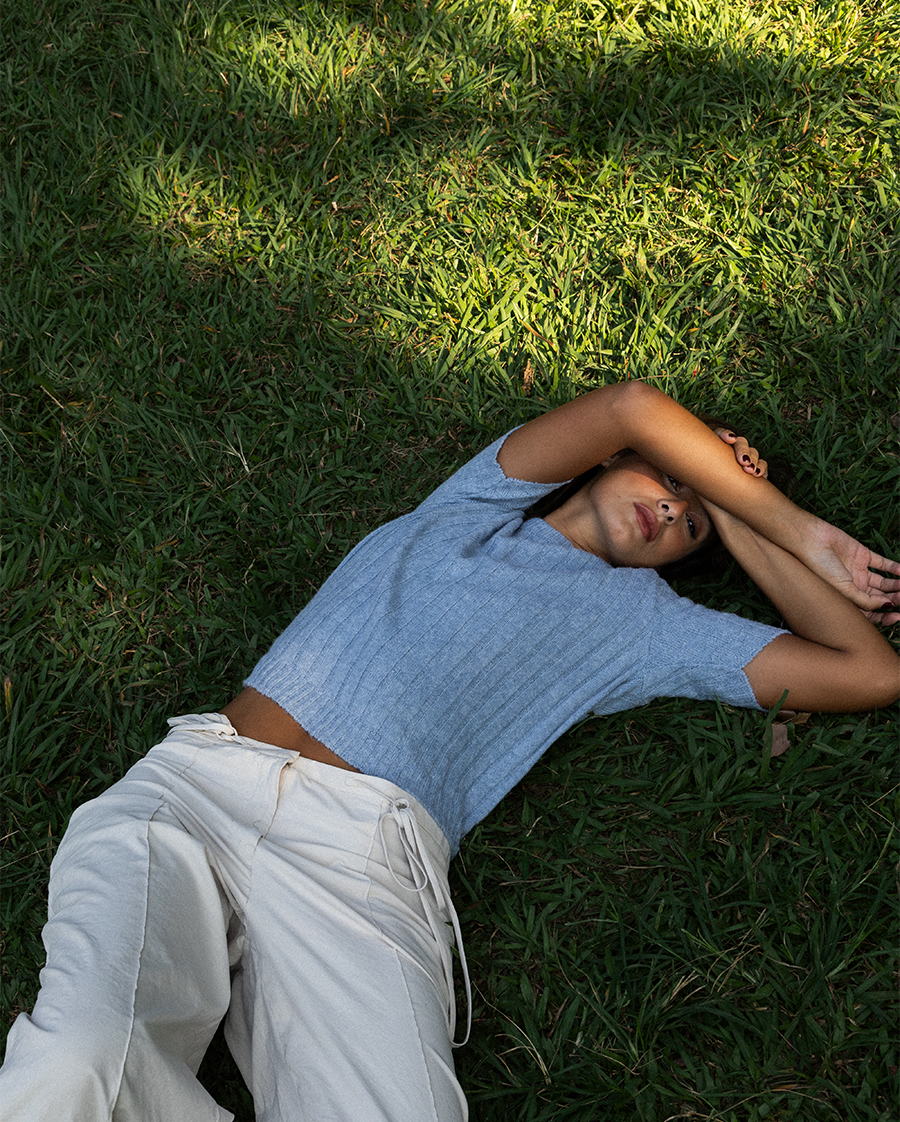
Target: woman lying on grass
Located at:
point(283, 864)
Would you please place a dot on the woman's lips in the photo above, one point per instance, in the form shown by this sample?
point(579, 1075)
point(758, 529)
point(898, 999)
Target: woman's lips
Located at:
point(647, 521)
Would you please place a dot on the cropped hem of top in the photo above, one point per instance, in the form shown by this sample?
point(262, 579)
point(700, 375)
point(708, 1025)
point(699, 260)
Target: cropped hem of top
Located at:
point(455, 644)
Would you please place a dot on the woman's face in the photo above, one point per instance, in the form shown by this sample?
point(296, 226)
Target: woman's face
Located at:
point(634, 514)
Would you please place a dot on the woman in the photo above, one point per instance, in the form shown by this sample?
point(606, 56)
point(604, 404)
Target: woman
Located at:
point(283, 863)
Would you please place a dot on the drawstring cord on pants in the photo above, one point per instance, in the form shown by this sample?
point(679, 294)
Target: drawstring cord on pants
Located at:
point(424, 876)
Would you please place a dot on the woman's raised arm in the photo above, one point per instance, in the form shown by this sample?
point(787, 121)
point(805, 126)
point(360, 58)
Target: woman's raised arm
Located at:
point(567, 441)
point(583, 433)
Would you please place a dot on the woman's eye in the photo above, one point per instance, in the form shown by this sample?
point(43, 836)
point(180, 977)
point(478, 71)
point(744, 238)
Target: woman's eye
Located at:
point(673, 482)
point(692, 528)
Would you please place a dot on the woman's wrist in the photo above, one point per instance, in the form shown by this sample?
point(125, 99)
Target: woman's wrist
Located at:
point(774, 517)
point(793, 528)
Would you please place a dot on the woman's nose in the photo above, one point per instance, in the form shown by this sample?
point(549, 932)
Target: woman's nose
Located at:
point(671, 508)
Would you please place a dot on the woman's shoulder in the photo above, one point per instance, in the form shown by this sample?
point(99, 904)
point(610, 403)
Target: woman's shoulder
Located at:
point(482, 479)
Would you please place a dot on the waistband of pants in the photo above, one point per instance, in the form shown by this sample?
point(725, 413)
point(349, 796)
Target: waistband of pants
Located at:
point(218, 725)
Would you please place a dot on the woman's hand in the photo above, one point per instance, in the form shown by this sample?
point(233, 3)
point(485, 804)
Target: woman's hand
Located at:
point(748, 458)
point(847, 565)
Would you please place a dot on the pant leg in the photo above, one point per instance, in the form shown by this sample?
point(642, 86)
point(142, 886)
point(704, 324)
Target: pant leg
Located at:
point(137, 975)
point(340, 1006)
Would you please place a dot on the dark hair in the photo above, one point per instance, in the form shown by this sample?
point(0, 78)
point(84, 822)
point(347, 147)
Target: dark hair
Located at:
point(710, 558)
point(562, 494)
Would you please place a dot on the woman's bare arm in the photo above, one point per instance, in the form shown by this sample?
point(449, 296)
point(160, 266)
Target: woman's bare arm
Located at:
point(585, 432)
point(835, 660)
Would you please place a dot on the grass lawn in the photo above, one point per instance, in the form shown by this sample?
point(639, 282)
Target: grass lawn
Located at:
point(271, 270)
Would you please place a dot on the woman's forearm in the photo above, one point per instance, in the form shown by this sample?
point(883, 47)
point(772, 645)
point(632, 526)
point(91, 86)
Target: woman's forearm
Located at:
point(666, 434)
point(567, 441)
point(809, 606)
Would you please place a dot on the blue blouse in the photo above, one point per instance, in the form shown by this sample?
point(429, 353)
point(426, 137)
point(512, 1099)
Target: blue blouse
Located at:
point(453, 645)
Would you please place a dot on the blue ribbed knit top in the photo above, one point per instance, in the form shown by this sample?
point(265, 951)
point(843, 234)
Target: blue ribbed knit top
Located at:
point(453, 645)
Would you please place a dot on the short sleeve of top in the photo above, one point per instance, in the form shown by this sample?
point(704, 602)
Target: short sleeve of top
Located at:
point(453, 645)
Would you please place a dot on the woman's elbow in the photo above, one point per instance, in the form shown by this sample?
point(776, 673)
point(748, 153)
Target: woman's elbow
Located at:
point(875, 683)
point(887, 683)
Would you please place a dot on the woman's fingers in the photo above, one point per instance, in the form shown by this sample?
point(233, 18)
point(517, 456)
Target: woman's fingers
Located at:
point(876, 561)
point(746, 455)
point(883, 584)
